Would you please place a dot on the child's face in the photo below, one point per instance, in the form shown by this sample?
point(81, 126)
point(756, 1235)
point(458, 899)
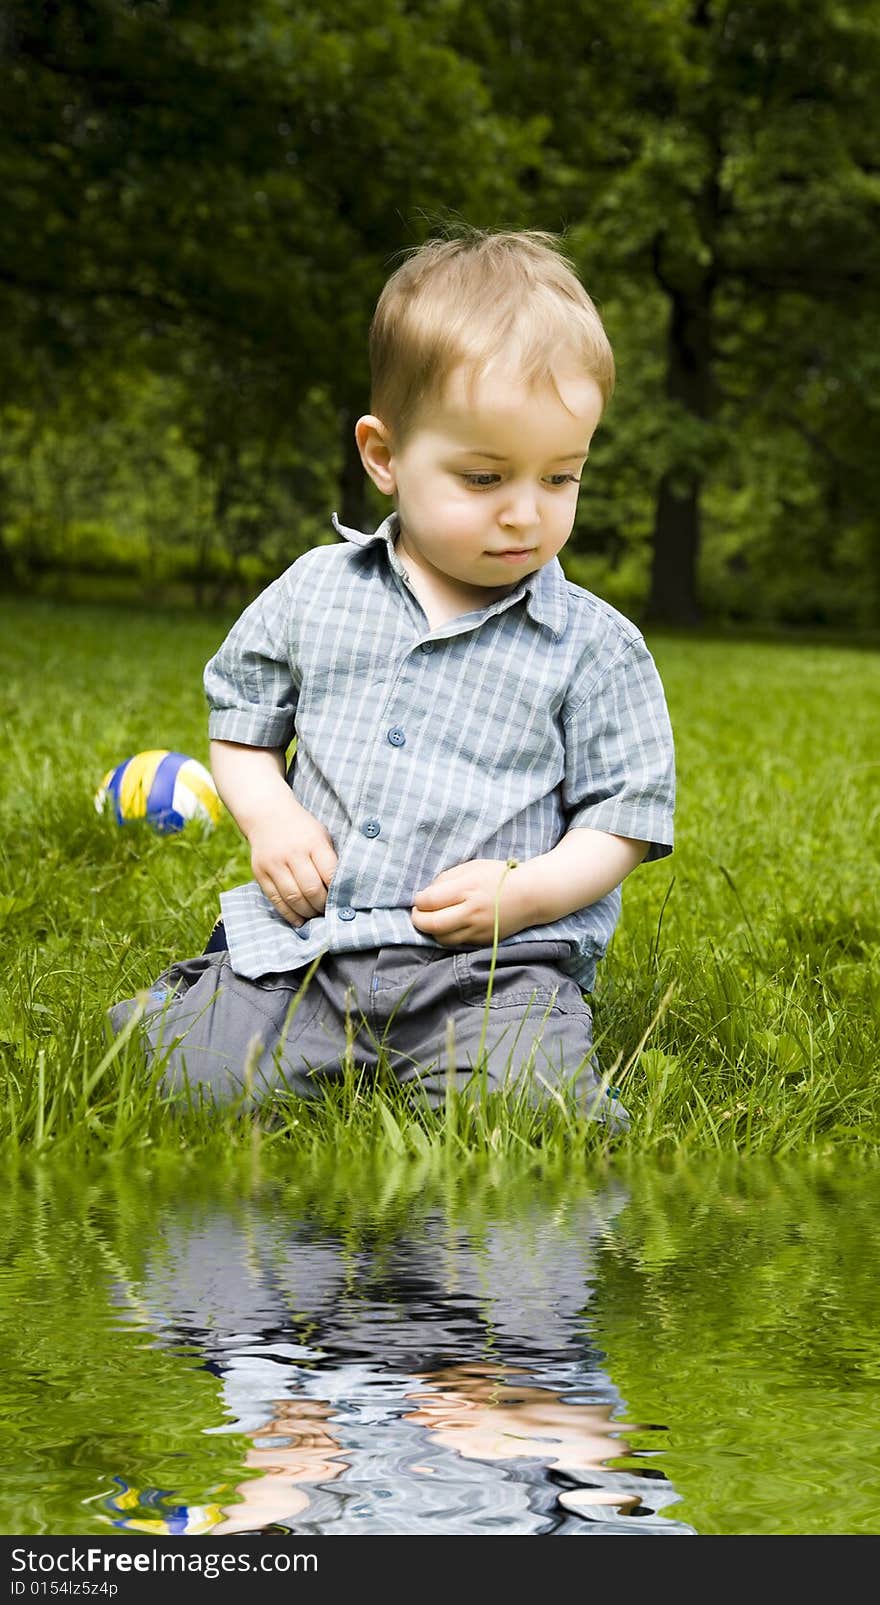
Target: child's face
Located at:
point(487, 484)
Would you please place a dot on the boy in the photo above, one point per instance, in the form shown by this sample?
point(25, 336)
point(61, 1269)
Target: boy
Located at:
point(474, 733)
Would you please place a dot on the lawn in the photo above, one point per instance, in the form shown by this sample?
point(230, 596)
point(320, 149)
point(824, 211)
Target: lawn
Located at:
point(736, 1009)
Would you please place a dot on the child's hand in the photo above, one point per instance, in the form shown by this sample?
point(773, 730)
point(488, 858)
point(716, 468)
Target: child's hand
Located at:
point(294, 861)
point(458, 908)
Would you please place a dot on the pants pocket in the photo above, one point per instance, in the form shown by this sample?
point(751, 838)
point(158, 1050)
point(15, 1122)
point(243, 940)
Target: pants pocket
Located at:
point(524, 975)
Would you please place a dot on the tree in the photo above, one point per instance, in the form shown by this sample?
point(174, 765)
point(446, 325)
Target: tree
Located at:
point(193, 177)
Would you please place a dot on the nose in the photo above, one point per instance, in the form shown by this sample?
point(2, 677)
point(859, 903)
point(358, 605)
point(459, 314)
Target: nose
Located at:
point(521, 508)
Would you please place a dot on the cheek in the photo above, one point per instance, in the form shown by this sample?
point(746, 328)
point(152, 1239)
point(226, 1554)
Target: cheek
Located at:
point(439, 499)
point(563, 513)
point(460, 512)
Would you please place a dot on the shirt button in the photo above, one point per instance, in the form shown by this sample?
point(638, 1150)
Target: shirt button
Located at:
point(371, 827)
point(396, 736)
point(426, 646)
point(346, 913)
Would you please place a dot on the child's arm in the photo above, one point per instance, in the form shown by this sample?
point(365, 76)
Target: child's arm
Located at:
point(584, 866)
point(292, 855)
point(458, 907)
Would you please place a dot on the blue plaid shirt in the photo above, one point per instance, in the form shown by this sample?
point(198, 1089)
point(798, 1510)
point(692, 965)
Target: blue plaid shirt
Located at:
point(490, 736)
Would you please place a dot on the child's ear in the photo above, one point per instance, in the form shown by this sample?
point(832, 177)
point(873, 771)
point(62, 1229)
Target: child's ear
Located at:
point(374, 444)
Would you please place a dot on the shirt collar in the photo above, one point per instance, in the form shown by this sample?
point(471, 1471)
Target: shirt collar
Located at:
point(544, 591)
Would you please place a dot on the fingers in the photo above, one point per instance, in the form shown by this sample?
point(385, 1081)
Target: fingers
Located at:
point(283, 905)
point(456, 939)
point(311, 899)
point(325, 861)
point(443, 923)
point(438, 896)
point(458, 936)
point(296, 890)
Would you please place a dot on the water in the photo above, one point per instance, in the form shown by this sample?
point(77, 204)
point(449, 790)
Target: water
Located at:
point(691, 1351)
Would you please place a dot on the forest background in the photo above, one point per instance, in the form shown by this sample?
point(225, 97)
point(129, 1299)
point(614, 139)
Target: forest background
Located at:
point(202, 200)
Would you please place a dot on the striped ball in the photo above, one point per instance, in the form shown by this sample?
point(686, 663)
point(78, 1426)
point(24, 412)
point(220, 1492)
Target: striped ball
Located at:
point(165, 788)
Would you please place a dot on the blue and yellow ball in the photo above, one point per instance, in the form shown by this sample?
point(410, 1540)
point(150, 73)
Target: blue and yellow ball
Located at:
point(167, 789)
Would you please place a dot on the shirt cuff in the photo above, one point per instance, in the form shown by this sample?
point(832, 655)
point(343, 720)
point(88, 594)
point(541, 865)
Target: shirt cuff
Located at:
point(651, 825)
point(256, 728)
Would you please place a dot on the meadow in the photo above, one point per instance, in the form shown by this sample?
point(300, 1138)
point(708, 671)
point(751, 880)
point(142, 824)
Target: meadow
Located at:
point(737, 1009)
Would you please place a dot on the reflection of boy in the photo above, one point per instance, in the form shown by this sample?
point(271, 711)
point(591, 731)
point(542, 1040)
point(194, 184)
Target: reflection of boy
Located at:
point(459, 708)
point(418, 1388)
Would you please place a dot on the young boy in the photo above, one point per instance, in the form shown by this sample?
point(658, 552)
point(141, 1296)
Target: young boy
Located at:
point(473, 731)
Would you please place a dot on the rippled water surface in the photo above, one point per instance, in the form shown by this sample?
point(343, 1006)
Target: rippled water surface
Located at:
point(691, 1351)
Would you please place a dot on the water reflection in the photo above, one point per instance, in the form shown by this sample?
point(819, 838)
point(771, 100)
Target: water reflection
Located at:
point(438, 1349)
point(428, 1384)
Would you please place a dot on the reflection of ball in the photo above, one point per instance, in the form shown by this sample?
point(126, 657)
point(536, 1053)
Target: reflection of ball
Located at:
point(149, 1511)
point(165, 788)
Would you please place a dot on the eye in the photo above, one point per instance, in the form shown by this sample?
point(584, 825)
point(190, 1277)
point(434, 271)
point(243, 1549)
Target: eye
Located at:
point(487, 481)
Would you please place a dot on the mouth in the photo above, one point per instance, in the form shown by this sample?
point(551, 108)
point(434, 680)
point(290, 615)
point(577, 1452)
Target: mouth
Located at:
point(514, 553)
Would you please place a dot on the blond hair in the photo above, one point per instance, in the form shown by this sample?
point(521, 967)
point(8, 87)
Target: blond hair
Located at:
point(470, 300)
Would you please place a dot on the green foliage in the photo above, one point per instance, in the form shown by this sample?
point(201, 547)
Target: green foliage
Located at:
point(201, 203)
point(145, 497)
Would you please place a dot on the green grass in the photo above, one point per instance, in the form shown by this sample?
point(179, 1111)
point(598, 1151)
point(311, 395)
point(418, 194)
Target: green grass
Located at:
point(738, 1005)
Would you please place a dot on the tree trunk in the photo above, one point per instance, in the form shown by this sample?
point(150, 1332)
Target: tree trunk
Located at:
point(673, 594)
point(690, 284)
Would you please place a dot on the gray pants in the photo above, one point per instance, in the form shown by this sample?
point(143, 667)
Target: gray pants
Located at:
point(425, 1007)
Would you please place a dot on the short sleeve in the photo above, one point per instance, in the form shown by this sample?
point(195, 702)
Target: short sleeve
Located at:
point(250, 682)
point(619, 754)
